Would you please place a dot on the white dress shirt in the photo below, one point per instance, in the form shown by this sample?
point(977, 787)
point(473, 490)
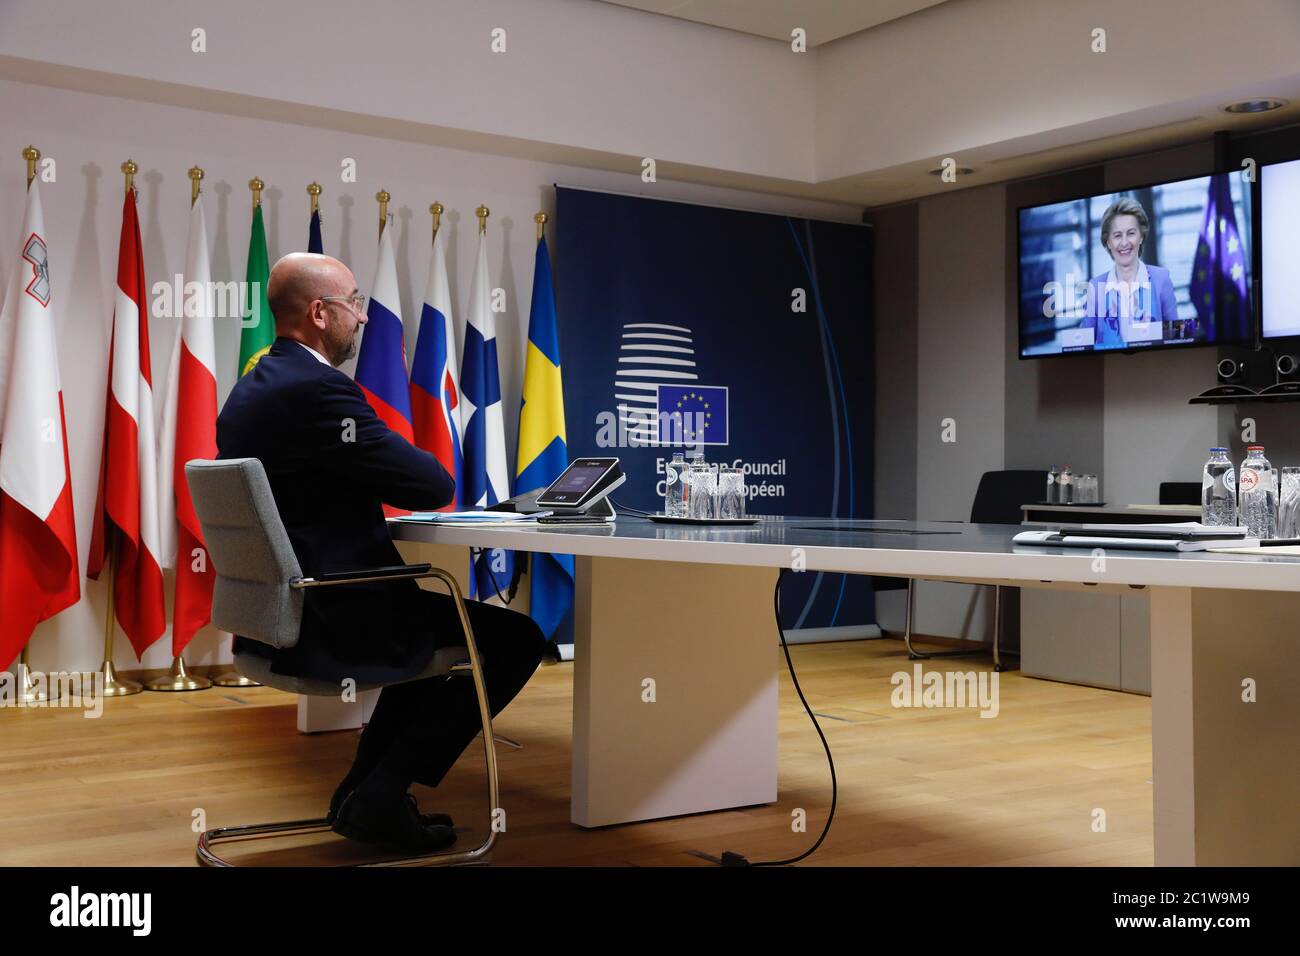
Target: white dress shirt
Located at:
point(320, 358)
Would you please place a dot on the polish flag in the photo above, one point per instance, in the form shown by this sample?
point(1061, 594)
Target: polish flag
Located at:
point(127, 503)
point(38, 536)
point(189, 431)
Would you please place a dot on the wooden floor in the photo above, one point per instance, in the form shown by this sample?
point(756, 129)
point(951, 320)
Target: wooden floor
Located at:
point(916, 787)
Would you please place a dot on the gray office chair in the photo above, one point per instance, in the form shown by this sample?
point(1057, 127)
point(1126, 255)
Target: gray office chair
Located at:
point(258, 594)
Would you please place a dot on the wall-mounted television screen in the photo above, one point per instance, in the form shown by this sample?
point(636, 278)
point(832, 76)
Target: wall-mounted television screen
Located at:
point(1164, 266)
point(1279, 240)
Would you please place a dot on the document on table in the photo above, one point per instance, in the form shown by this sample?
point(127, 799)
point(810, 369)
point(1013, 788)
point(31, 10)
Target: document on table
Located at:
point(1285, 551)
point(1162, 529)
point(1094, 539)
point(473, 519)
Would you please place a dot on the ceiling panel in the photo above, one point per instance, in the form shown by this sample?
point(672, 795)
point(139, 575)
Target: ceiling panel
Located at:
point(825, 20)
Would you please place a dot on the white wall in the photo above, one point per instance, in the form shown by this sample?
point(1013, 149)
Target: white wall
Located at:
point(575, 73)
point(960, 347)
point(1021, 75)
point(89, 136)
point(960, 376)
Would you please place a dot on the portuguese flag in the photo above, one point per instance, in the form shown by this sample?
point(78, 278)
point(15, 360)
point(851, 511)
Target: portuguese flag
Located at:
point(258, 330)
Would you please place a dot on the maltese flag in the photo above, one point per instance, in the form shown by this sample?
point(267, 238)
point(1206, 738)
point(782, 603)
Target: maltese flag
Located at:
point(189, 431)
point(435, 389)
point(38, 537)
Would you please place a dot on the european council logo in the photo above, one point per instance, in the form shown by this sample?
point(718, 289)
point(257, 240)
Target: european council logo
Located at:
point(692, 414)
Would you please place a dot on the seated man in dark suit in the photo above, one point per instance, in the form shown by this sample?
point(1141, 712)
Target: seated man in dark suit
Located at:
point(332, 465)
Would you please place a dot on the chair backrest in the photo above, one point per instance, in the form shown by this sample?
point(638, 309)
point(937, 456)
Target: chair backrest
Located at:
point(1180, 492)
point(1001, 493)
point(249, 549)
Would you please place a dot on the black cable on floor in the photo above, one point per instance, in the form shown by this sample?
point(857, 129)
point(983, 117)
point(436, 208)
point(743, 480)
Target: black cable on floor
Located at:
point(735, 859)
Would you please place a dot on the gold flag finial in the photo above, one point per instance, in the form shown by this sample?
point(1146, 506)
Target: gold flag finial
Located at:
point(436, 209)
point(129, 169)
point(383, 198)
point(196, 175)
point(482, 212)
point(256, 185)
point(541, 219)
point(314, 191)
point(32, 155)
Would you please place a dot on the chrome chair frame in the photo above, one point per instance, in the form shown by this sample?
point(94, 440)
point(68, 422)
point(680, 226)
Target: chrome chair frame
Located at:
point(915, 655)
point(480, 854)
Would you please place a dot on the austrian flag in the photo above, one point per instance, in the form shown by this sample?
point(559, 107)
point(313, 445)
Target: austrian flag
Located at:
point(126, 509)
point(38, 538)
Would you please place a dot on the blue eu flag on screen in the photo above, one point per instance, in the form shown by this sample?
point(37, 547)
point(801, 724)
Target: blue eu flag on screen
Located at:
point(692, 414)
point(1218, 288)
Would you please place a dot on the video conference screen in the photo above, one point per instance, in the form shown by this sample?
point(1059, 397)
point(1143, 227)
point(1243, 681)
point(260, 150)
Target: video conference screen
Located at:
point(1280, 249)
point(1157, 267)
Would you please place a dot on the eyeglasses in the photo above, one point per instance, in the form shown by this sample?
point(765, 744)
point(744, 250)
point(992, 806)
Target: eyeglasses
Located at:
point(357, 302)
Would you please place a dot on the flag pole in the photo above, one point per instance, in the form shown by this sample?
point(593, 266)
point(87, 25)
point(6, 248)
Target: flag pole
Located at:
point(541, 219)
point(32, 155)
point(28, 691)
point(482, 212)
point(314, 191)
point(383, 197)
point(180, 679)
point(233, 678)
point(436, 210)
point(114, 686)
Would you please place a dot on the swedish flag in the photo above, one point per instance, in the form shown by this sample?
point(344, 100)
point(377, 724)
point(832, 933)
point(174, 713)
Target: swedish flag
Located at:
point(543, 454)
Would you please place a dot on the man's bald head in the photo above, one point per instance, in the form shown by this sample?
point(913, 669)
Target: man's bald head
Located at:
point(299, 278)
point(307, 293)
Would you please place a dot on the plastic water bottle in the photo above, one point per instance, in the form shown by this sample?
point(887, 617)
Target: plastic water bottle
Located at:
point(1258, 494)
point(1065, 483)
point(674, 486)
point(1219, 490)
point(1051, 486)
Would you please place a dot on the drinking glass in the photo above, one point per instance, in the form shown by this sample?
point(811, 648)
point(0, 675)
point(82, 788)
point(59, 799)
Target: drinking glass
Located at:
point(731, 492)
point(703, 490)
point(1288, 503)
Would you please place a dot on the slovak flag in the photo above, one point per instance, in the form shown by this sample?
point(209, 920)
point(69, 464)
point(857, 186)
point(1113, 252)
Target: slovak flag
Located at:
point(487, 477)
point(126, 507)
point(38, 536)
point(381, 364)
point(435, 390)
point(189, 430)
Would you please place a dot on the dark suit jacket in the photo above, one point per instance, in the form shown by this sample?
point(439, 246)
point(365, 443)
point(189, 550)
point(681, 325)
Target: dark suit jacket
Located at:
point(332, 464)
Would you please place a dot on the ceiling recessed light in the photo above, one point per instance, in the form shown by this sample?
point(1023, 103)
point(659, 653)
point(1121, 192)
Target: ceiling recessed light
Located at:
point(960, 171)
point(1261, 105)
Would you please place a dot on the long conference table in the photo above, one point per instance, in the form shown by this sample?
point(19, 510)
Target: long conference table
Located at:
point(677, 659)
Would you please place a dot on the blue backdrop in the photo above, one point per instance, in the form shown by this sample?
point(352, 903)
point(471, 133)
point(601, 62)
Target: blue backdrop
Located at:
point(667, 306)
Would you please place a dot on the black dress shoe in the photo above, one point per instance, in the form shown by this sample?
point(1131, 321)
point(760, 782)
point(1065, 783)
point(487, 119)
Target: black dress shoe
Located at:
point(426, 819)
point(393, 826)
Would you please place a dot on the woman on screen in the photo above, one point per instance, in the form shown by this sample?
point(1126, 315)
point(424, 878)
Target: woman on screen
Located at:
point(1129, 303)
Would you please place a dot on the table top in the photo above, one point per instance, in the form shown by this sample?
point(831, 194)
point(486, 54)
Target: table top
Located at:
point(939, 550)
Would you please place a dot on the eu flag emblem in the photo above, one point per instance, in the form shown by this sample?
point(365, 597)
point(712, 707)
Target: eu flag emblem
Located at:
point(692, 414)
